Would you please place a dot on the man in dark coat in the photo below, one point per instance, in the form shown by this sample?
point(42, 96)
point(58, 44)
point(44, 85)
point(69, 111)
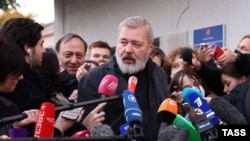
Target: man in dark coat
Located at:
point(134, 45)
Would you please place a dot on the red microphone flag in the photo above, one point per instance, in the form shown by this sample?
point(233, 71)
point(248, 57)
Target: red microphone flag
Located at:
point(45, 122)
point(132, 83)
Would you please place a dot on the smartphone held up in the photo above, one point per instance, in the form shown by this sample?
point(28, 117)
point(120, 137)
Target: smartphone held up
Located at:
point(217, 52)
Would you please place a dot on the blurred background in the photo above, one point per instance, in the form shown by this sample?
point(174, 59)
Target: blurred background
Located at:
point(175, 22)
point(41, 11)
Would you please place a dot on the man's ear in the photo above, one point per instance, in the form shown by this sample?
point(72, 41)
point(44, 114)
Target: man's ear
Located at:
point(151, 45)
point(27, 49)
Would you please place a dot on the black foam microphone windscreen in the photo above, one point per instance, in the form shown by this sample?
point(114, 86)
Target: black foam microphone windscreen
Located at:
point(167, 133)
point(186, 54)
point(101, 130)
point(203, 125)
point(227, 112)
point(182, 135)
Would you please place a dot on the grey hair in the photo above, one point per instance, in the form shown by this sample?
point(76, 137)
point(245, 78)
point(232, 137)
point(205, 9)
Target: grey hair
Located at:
point(137, 21)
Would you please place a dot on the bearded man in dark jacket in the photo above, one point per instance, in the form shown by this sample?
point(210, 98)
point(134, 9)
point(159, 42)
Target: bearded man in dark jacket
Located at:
point(134, 44)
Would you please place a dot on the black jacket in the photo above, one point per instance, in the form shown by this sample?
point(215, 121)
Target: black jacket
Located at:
point(239, 97)
point(211, 77)
point(151, 90)
point(67, 83)
point(29, 92)
point(7, 108)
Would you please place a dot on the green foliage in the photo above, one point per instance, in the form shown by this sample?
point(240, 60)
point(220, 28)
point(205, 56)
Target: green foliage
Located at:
point(13, 13)
point(8, 4)
point(8, 10)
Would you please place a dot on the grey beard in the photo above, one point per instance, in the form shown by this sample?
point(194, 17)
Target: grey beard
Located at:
point(131, 68)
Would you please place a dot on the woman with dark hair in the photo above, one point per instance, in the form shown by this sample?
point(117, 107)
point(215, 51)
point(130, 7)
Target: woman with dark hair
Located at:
point(187, 78)
point(236, 85)
point(231, 76)
point(49, 71)
point(12, 66)
point(158, 56)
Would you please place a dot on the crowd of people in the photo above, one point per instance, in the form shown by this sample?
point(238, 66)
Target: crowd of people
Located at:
point(73, 71)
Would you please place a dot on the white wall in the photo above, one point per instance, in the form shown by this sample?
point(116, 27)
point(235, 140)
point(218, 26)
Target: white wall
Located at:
point(48, 35)
point(172, 20)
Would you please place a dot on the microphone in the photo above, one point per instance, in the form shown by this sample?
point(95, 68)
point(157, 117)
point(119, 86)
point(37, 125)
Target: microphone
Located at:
point(168, 105)
point(167, 114)
point(204, 126)
point(108, 86)
point(123, 129)
point(193, 97)
point(186, 54)
point(180, 122)
point(182, 135)
point(9, 119)
point(101, 130)
point(227, 112)
point(133, 115)
point(167, 133)
point(83, 133)
point(45, 121)
point(132, 83)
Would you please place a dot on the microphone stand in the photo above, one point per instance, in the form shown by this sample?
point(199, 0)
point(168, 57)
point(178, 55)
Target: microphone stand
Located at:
point(135, 133)
point(86, 103)
point(70, 106)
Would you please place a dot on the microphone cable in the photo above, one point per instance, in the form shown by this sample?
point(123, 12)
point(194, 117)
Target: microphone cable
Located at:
point(118, 118)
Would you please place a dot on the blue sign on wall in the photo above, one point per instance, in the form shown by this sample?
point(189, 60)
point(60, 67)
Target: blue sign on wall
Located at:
point(213, 35)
